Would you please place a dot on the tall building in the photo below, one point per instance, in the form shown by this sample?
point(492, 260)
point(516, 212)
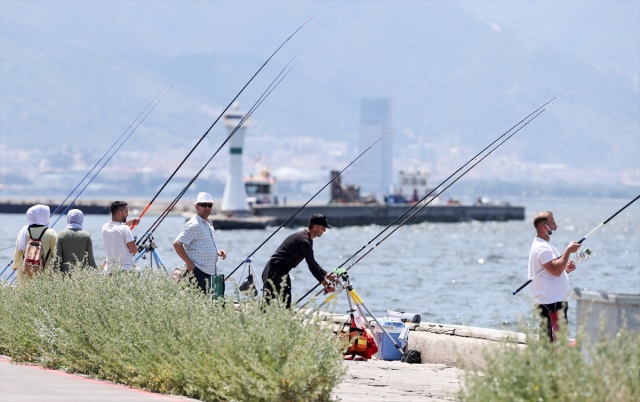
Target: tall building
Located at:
point(374, 171)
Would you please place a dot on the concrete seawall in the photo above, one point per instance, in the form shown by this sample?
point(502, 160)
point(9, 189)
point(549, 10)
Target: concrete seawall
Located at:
point(457, 345)
point(452, 345)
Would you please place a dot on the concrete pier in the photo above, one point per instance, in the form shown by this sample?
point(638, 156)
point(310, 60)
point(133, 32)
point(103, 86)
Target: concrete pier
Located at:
point(261, 216)
point(384, 214)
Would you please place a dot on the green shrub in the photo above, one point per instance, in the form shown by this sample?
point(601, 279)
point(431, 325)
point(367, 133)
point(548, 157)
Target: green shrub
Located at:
point(608, 370)
point(146, 331)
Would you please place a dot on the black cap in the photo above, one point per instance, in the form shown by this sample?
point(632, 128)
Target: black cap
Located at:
point(117, 204)
point(318, 219)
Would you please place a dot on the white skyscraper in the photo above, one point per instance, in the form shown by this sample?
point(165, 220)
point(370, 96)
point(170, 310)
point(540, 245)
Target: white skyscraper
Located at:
point(373, 172)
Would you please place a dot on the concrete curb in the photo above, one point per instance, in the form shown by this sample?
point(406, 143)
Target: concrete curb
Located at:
point(452, 345)
point(458, 345)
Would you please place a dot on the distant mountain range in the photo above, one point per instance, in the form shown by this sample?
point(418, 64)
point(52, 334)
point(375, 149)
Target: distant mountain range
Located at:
point(459, 74)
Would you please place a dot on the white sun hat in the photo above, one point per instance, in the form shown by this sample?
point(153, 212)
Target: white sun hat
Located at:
point(204, 197)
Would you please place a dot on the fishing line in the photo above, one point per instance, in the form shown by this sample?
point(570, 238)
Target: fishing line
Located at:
point(299, 210)
point(605, 99)
point(265, 94)
point(339, 190)
point(216, 121)
point(520, 125)
point(579, 241)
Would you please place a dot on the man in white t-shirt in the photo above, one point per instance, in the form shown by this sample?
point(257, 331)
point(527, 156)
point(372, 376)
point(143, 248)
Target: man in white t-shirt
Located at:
point(550, 289)
point(119, 244)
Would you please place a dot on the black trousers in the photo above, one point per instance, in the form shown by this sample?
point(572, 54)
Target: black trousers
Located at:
point(272, 277)
point(553, 315)
point(203, 279)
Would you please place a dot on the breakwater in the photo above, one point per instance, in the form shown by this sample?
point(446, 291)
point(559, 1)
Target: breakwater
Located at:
point(385, 214)
point(261, 216)
point(89, 206)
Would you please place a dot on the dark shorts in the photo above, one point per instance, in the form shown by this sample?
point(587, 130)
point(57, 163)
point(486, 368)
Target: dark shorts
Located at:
point(553, 315)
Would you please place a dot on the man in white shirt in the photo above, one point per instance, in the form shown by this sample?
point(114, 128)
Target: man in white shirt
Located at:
point(119, 244)
point(196, 243)
point(550, 289)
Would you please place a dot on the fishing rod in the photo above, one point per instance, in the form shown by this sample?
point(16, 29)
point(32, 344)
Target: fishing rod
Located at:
point(147, 235)
point(148, 109)
point(579, 241)
point(521, 124)
point(297, 213)
point(108, 150)
point(112, 155)
point(216, 121)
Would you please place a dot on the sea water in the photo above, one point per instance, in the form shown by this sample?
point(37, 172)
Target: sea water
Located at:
point(454, 273)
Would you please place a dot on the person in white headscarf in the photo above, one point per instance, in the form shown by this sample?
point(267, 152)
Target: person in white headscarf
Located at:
point(74, 244)
point(36, 227)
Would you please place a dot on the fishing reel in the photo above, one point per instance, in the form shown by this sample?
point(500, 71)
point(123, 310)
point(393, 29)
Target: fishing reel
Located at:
point(341, 280)
point(148, 247)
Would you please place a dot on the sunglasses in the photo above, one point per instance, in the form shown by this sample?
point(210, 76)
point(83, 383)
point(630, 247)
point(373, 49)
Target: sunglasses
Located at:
point(206, 205)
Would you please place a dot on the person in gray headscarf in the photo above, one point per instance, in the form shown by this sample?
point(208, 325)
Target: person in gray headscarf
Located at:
point(74, 244)
point(36, 228)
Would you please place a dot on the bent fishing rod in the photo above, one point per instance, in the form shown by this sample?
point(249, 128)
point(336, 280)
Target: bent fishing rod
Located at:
point(297, 212)
point(521, 124)
point(148, 234)
point(148, 109)
point(579, 241)
point(216, 121)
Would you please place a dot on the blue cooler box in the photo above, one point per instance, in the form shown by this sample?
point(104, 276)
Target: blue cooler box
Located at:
point(386, 350)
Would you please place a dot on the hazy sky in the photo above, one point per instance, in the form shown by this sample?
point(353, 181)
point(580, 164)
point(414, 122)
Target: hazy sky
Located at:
point(458, 74)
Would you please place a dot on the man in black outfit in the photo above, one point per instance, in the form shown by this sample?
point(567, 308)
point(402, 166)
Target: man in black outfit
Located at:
point(291, 252)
